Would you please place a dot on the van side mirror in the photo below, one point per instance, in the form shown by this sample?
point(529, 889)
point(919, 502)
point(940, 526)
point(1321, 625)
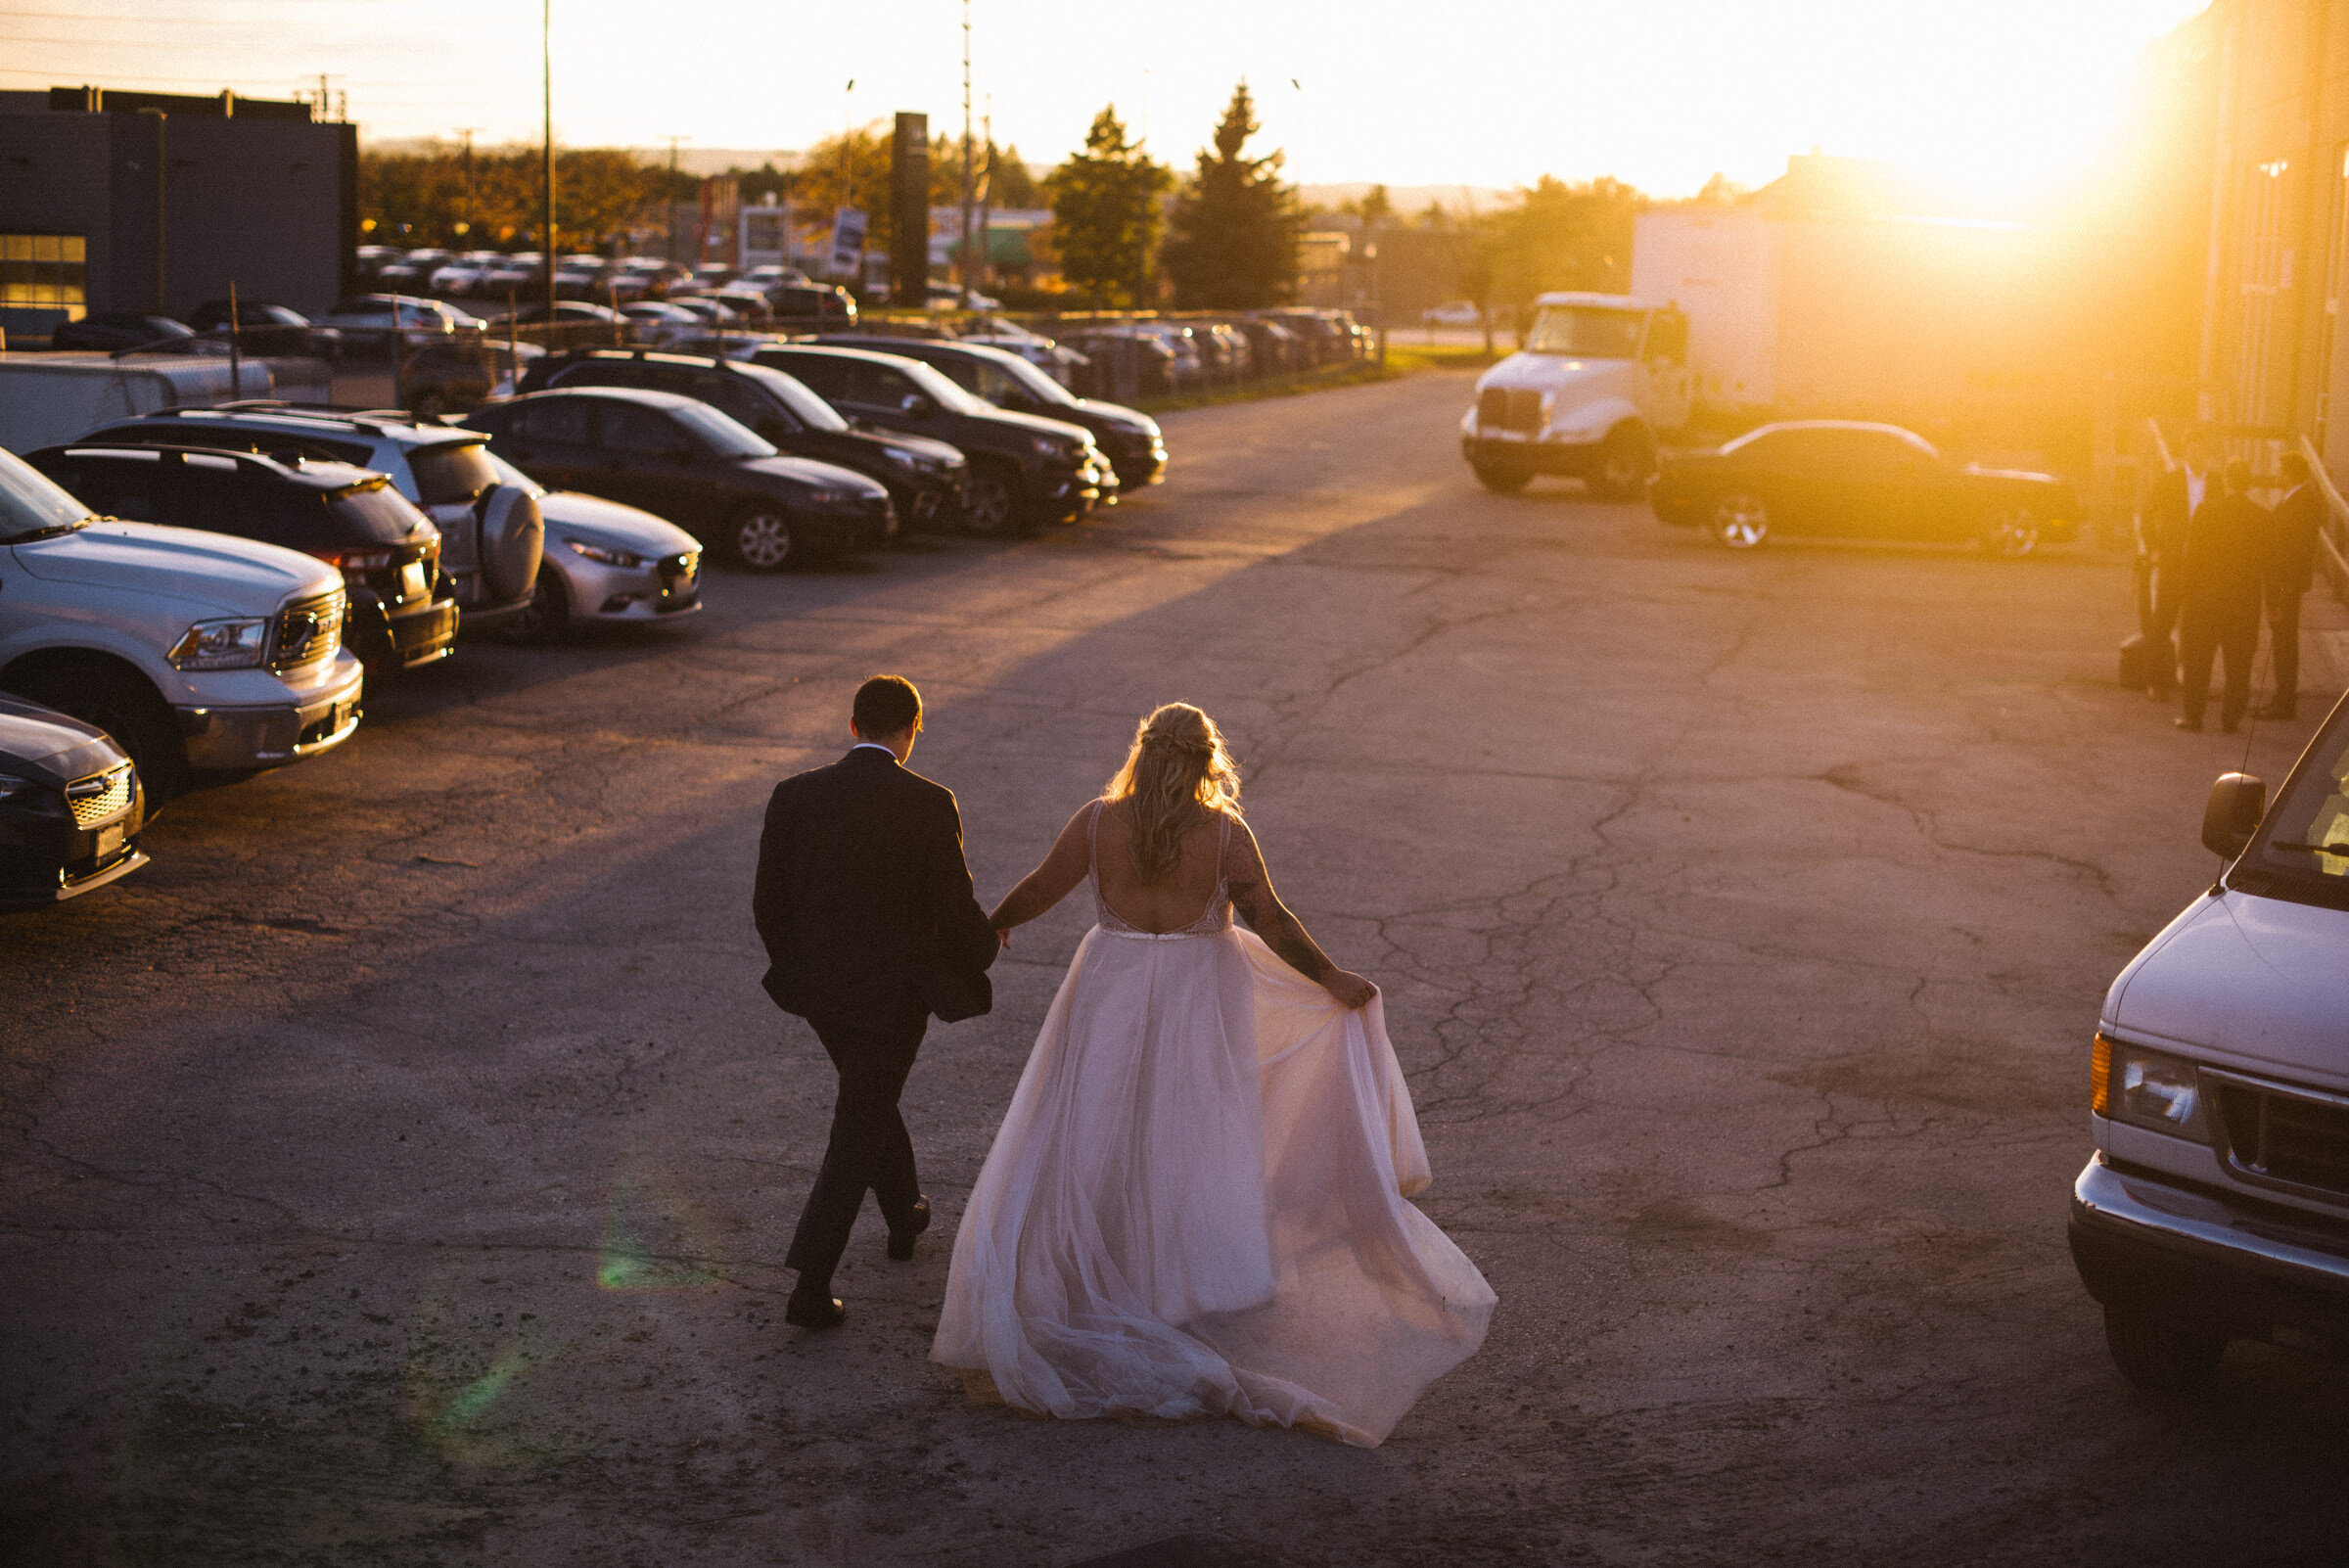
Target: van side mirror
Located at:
point(2237, 801)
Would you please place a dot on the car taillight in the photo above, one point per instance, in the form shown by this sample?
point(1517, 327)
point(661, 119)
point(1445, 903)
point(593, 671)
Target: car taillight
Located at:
point(355, 564)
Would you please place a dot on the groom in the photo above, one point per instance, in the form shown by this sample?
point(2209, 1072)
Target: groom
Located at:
point(866, 907)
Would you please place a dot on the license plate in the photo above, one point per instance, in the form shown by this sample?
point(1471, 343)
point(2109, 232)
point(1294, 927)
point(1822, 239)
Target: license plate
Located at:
point(411, 581)
point(109, 839)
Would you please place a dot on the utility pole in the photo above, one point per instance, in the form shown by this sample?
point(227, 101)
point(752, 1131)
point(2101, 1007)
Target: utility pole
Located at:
point(546, 62)
point(669, 204)
point(159, 161)
point(987, 194)
point(966, 154)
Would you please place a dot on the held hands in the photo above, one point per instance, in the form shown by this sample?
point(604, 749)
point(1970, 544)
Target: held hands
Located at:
point(1350, 990)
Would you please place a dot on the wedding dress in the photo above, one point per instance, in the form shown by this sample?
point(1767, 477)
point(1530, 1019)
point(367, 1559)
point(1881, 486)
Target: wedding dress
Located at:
point(1196, 1201)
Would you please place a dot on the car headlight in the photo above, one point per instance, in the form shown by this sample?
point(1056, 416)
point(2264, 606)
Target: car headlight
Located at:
point(1047, 446)
point(2151, 1089)
point(606, 555)
point(221, 645)
point(829, 497)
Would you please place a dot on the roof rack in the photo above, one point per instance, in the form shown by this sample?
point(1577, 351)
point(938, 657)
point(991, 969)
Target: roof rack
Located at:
point(99, 448)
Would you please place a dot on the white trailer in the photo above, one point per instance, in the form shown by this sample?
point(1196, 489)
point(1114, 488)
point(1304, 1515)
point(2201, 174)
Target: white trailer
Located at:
point(51, 397)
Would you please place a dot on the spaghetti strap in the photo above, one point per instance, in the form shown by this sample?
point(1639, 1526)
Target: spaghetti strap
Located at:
point(1223, 851)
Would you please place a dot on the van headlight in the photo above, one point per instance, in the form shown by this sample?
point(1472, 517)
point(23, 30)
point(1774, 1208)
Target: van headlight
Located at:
point(2151, 1089)
point(221, 645)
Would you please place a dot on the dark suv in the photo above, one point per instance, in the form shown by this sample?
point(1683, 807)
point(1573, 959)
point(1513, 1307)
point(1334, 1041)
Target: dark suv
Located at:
point(401, 616)
point(1025, 471)
point(1132, 440)
point(683, 460)
point(924, 477)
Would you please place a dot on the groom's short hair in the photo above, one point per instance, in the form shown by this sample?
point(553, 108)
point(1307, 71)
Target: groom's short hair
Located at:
point(885, 705)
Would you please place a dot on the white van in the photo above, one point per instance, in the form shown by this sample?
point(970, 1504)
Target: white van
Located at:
point(2217, 1204)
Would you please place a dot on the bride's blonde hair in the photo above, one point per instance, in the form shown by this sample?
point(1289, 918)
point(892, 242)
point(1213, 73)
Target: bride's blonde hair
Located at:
point(1177, 768)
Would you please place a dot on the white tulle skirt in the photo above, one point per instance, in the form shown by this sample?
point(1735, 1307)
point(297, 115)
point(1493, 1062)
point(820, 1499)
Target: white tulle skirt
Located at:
point(1197, 1204)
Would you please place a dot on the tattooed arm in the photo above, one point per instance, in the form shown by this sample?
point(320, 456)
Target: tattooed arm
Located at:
point(1253, 897)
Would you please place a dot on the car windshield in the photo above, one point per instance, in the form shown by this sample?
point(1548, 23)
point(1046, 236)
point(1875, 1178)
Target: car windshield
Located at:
point(375, 511)
point(1042, 388)
point(452, 470)
point(2312, 816)
point(1585, 332)
point(724, 434)
point(942, 392)
point(805, 406)
point(31, 504)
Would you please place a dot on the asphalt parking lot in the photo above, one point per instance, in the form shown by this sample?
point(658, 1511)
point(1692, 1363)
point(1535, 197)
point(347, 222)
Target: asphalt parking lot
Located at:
point(398, 1170)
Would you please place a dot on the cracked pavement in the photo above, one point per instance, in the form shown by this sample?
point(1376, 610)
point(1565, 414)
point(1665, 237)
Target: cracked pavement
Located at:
point(398, 1170)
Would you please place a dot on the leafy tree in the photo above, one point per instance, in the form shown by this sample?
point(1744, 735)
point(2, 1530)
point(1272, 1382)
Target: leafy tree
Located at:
point(1105, 213)
point(1234, 241)
point(1012, 185)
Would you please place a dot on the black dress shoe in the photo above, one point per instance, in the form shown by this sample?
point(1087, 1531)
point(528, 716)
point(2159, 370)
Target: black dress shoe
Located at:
point(900, 1242)
point(809, 1309)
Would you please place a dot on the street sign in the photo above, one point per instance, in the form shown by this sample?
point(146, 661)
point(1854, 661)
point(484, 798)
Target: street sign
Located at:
point(847, 240)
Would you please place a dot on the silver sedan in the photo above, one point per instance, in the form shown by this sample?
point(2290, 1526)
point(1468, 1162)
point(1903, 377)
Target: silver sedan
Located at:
point(605, 564)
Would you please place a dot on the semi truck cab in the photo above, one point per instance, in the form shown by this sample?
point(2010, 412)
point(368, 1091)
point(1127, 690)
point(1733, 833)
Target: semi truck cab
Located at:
point(1600, 375)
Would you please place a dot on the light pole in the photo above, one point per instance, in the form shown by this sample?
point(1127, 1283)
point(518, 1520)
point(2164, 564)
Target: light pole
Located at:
point(669, 207)
point(465, 225)
point(546, 60)
point(966, 154)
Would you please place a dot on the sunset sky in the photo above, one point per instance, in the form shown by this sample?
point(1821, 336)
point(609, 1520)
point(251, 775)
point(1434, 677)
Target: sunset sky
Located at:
point(2001, 94)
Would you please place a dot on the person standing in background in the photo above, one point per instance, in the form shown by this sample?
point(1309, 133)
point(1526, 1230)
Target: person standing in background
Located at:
point(2287, 564)
point(2218, 607)
point(2177, 495)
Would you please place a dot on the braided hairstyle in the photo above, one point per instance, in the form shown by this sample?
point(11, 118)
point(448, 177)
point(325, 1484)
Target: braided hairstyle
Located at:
point(1177, 769)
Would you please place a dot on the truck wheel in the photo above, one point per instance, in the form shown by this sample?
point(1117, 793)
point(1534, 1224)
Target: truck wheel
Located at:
point(2159, 1355)
point(1503, 479)
point(122, 704)
point(1740, 521)
point(1626, 463)
point(2008, 532)
point(759, 537)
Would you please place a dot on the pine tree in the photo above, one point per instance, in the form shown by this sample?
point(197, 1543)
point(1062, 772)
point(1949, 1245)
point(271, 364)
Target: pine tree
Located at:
point(1105, 216)
point(1234, 245)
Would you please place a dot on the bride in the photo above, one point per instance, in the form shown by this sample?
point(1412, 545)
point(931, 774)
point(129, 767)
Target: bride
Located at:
point(1196, 1202)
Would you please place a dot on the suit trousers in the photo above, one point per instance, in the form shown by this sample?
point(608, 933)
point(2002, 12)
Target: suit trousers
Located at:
point(2158, 613)
point(2283, 635)
point(870, 1149)
point(2199, 637)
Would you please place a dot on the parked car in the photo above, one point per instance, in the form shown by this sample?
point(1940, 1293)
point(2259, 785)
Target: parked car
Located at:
point(369, 320)
point(465, 274)
point(656, 276)
point(1273, 349)
point(1132, 442)
point(576, 322)
point(190, 650)
point(820, 303)
point(72, 806)
point(713, 275)
point(411, 272)
point(113, 330)
point(373, 258)
point(943, 297)
point(389, 556)
point(683, 460)
point(584, 277)
point(1025, 471)
point(606, 563)
point(2215, 1205)
point(1453, 314)
point(1847, 479)
point(661, 324)
point(773, 274)
point(490, 529)
point(517, 277)
point(1046, 356)
point(924, 477)
point(264, 327)
point(1115, 360)
point(450, 378)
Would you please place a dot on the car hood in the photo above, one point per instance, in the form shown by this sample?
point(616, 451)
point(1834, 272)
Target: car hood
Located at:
point(2246, 980)
point(936, 450)
point(46, 744)
point(1040, 425)
point(596, 520)
point(1120, 415)
point(211, 572)
point(813, 471)
point(1556, 371)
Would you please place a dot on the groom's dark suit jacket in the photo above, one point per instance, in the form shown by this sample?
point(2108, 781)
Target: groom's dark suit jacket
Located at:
point(863, 898)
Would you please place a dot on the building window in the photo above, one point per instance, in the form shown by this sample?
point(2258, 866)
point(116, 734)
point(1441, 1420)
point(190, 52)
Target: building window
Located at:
point(44, 271)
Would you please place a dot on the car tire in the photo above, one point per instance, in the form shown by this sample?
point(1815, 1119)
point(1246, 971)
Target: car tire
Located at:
point(123, 704)
point(760, 538)
point(547, 618)
point(1740, 521)
point(1503, 479)
point(2159, 1355)
point(992, 505)
point(1627, 461)
point(2008, 532)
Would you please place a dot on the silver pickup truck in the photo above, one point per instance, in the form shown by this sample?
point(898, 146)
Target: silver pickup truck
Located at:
point(193, 649)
